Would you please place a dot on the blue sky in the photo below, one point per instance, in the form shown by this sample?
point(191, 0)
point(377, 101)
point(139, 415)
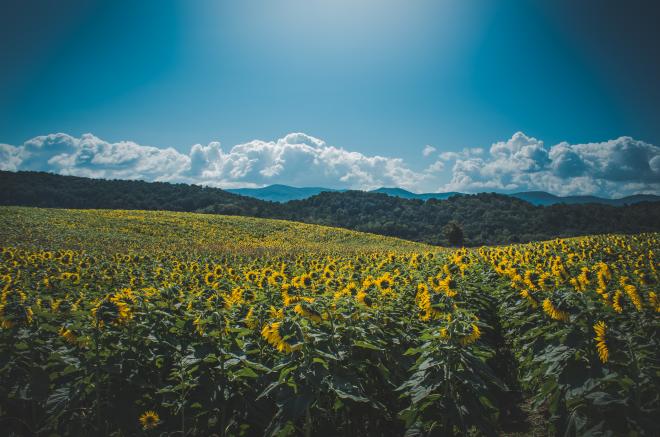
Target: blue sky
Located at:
point(372, 77)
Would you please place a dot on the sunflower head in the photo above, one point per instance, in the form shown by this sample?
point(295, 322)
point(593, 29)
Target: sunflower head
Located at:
point(306, 281)
point(553, 312)
point(306, 310)
point(149, 420)
point(112, 309)
point(384, 283)
point(68, 335)
point(366, 297)
point(460, 329)
point(286, 336)
point(15, 313)
point(210, 279)
point(600, 329)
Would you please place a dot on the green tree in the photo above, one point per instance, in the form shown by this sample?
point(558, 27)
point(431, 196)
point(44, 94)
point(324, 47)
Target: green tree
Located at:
point(453, 233)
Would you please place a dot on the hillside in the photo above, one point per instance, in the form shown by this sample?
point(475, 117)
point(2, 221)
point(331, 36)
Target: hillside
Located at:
point(54, 191)
point(485, 218)
point(121, 231)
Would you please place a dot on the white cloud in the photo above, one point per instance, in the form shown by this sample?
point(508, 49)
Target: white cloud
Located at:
point(92, 157)
point(296, 159)
point(9, 159)
point(434, 168)
point(428, 150)
point(612, 168)
point(465, 153)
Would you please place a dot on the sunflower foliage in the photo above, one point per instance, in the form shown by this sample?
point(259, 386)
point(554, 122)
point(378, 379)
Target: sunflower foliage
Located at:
point(127, 323)
point(452, 389)
point(587, 348)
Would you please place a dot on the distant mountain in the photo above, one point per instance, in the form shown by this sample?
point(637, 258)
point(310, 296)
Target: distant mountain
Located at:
point(280, 193)
point(400, 192)
point(285, 193)
point(543, 198)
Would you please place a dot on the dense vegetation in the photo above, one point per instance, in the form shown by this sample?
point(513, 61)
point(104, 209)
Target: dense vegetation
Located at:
point(484, 218)
point(48, 190)
point(159, 323)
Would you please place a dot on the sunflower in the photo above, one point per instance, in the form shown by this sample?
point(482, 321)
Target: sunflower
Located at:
point(600, 329)
point(291, 294)
point(111, 309)
point(422, 289)
point(654, 302)
point(13, 313)
point(435, 282)
point(68, 335)
point(276, 278)
point(544, 281)
point(559, 271)
point(448, 285)
point(176, 277)
point(472, 337)
point(462, 328)
point(305, 281)
point(365, 297)
point(252, 276)
point(348, 291)
point(583, 279)
point(531, 279)
point(527, 295)
point(385, 282)
point(631, 291)
point(306, 311)
point(218, 301)
point(210, 279)
point(279, 334)
point(149, 420)
point(616, 301)
point(553, 312)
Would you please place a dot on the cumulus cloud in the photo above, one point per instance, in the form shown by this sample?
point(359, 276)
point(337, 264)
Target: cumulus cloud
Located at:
point(612, 168)
point(92, 157)
point(428, 150)
point(9, 159)
point(297, 159)
point(463, 154)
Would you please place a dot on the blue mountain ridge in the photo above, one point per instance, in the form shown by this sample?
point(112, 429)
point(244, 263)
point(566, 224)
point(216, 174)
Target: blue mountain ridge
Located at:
point(284, 193)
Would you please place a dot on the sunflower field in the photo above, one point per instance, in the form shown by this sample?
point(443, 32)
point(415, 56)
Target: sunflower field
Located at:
point(121, 323)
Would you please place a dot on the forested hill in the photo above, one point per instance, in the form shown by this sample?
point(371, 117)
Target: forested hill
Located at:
point(485, 218)
point(54, 191)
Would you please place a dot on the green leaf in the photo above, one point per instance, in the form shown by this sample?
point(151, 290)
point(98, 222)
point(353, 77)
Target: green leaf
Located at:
point(246, 372)
point(365, 345)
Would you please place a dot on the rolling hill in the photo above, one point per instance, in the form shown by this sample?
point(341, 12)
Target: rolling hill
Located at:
point(143, 231)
